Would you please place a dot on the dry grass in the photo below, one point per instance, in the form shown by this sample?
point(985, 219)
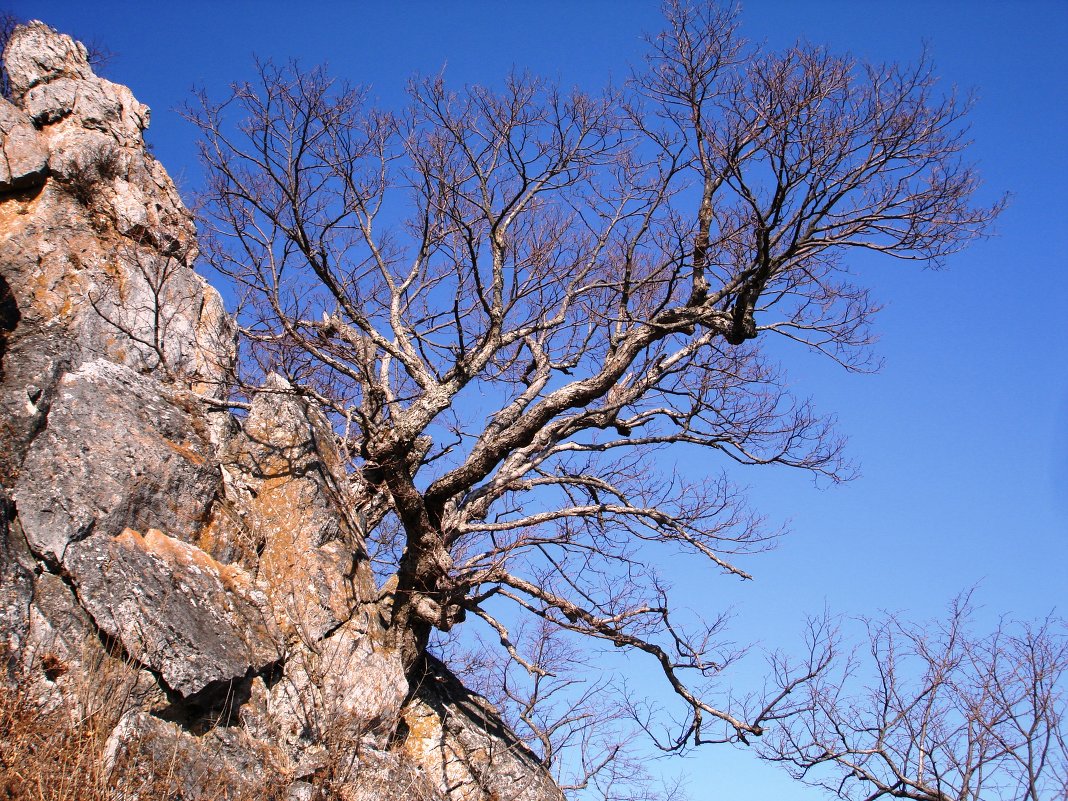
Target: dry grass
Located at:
point(53, 745)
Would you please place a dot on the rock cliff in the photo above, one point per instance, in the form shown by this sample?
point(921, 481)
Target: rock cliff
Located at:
point(212, 560)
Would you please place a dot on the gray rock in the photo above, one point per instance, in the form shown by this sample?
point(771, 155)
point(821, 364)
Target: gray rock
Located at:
point(120, 450)
point(59, 626)
point(104, 254)
point(460, 741)
point(146, 310)
point(16, 581)
point(67, 662)
point(36, 54)
point(286, 440)
point(156, 759)
point(173, 608)
point(303, 791)
point(31, 369)
point(345, 689)
point(388, 776)
point(23, 157)
point(92, 103)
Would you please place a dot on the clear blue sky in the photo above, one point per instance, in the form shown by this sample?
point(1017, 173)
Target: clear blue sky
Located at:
point(962, 438)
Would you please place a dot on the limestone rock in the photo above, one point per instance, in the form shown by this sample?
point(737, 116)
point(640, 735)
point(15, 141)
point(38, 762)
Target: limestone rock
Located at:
point(59, 625)
point(346, 688)
point(286, 495)
point(288, 446)
point(110, 295)
point(173, 608)
point(459, 739)
point(52, 80)
point(101, 255)
point(23, 158)
point(16, 580)
point(70, 665)
point(120, 451)
point(161, 760)
point(36, 54)
point(388, 776)
point(30, 372)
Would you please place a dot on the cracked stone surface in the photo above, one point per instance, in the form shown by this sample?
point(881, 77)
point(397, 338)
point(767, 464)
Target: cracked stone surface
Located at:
point(173, 608)
point(23, 157)
point(120, 450)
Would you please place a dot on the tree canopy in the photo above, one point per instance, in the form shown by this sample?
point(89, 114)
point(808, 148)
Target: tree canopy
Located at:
point(510, 299)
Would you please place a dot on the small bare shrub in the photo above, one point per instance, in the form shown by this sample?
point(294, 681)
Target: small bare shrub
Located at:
point(89, 170)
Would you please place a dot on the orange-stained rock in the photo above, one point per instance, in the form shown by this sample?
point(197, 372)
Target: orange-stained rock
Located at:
point(173, 608)
point(98, 262)
point(286, 494)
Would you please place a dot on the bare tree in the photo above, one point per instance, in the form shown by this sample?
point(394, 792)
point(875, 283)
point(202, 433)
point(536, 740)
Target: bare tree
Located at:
point(511, 300)
point(8, 23)
point(936, 713)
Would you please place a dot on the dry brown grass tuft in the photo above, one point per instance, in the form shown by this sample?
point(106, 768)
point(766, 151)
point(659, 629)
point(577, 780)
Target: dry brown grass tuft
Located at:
point(53, 745)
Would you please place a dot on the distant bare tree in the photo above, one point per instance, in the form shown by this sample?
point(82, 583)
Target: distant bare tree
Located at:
point(936, 713)
point(141, 305)
point(573, 723)
point(510, 300)
point(8, 23)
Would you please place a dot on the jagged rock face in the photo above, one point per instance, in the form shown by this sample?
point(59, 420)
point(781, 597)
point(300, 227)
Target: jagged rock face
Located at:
point(223, 763)
point(286, 510)
point(97, 247)
point(460, 739)
point(122, 451)
point(25, 160)
point(216, 562)
point(173, 608)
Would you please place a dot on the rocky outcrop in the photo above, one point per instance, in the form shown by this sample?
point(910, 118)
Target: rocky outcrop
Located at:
point(217, 559)
point(24, 159)
point(460, 739)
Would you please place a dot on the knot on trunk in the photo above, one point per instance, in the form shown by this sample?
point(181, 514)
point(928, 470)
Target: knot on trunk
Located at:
point(743, 327)
point(442, 615)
